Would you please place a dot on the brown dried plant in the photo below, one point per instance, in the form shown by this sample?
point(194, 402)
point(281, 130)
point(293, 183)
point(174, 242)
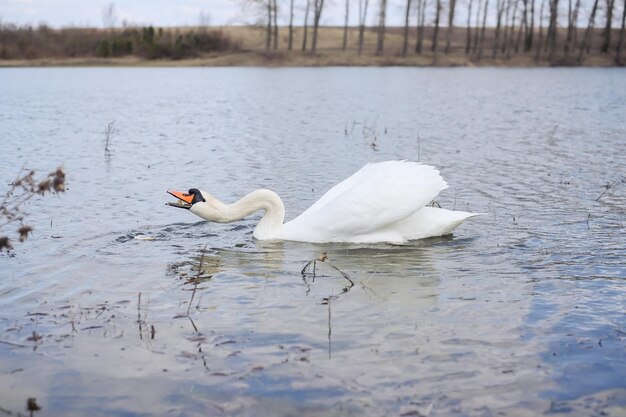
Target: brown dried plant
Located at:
point(21, 190)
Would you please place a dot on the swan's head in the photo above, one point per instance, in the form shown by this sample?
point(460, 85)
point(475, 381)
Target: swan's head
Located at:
point(199, 203)
point(187, 199)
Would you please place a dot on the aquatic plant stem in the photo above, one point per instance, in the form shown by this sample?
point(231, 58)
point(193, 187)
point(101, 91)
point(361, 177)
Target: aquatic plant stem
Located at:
point(195, 286)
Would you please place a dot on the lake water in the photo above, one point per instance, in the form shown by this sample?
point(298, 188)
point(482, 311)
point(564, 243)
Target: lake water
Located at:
point(521, 312)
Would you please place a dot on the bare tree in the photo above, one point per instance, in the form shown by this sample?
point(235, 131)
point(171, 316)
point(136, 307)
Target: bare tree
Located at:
point(405, 40)
point(482, 30)
point(274, 19)
point(362, 20)
point(345, 27)
point(512, 30)
point(436, 31)
point(522, 27)
point(572, 24)
point(109, 16)
point(290, 41)
point(265, 11)
point(318, 6)
point(500, 4)
point(380, 44)
point(524, 21)
point(507, 16)
point(576, 13)
point(204, 20)
point(268, 32)
point(421, 20)
point(570, 14)
point(468, 41)
point(586, 39)
point(476, 26)
point(306, 24)
point(620, 42)
point(540, 40)
point(607, 29)
point(450, 24)
point(528, 41)
point(552, 28)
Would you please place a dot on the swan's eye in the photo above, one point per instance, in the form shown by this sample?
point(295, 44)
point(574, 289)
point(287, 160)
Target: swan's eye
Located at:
point(197, 195)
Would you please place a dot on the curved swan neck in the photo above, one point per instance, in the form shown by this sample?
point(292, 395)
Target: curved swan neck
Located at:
point(272, 221)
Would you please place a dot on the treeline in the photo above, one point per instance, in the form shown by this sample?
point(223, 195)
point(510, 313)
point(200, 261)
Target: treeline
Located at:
point(144, 42)
point(557, 32)
point(530, 27)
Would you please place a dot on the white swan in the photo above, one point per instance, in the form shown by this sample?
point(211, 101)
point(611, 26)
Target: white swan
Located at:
point(382, 202)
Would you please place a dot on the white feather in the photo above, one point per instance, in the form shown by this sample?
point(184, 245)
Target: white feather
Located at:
point(382, 202)
point(364, 206)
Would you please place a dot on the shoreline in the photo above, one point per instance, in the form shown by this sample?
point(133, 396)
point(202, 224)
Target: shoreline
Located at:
point(247, 47)
point(322, 59)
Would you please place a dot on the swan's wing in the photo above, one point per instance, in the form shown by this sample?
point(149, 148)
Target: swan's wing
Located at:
point(377, 195)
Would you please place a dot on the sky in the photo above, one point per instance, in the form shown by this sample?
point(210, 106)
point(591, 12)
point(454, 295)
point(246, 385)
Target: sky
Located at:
point(89, 13)
point(61, 13)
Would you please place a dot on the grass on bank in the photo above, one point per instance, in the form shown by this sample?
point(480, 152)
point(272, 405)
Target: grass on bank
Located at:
point(245, 46)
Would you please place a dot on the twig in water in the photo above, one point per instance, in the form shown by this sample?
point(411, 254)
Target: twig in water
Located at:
point(329, 299)
point(72, 322)
point(199, 301)
point(197, 280)
point(418, 147)
point(354, 123)
point(139, 307)
point(365, 287)
point(345, 275)
point(588, 217)
point(143, 325)
point(324, 258)
point(373, 144)
point(12, 344)
point(303, 271)
point(139, 315)
point(108, 134)
point(192, 324)
point(32, 406)
point(609, 185)
point(551, 134)
point(371, 133)
point(606, 188)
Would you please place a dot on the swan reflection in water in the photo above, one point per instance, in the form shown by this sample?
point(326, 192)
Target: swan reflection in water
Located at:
point(261, 278)
point(382, 270)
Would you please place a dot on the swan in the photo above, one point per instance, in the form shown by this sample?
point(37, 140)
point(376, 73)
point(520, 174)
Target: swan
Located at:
point(382, 202)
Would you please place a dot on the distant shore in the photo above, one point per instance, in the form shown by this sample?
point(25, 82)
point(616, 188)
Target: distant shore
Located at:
point(296, 59)
point(246, 47)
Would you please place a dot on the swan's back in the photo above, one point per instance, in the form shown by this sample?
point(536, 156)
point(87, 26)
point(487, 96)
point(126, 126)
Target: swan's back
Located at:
point(363, 207)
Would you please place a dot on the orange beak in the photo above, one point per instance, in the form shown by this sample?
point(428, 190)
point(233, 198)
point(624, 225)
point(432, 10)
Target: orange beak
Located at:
point(185, 199)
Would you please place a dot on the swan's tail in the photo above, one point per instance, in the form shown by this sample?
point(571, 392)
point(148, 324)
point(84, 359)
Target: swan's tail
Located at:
point(432, 222)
